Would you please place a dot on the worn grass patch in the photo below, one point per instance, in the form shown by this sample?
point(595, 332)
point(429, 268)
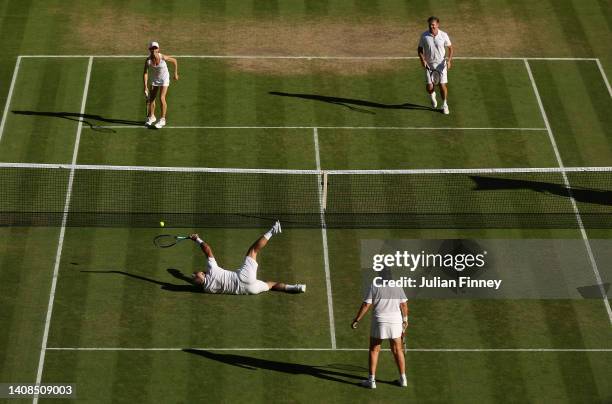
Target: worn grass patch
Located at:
point(123, 31)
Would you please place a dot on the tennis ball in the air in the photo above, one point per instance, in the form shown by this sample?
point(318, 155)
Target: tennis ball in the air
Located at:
point(162, 224)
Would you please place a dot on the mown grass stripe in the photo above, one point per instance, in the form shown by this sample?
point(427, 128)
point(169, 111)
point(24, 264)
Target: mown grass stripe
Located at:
point(11, 289)
point(9, 96)
point(564, 329)
point(587, 244)
point(34, 147)
point(58, 255)
point(571, 27)
point(17, 16)
point(599, 100)
point(489, 319)
point(137, 316)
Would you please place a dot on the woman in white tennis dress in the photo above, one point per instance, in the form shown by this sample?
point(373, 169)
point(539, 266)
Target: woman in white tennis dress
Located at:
point(156, 66)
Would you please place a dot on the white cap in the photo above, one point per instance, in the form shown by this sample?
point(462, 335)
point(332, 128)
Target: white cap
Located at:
point(153, 45)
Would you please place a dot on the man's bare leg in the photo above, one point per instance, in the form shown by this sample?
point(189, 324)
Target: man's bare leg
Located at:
point(263, 240)
point(261, 243)
point(257, 246)
point(444, 92)
point(400, 360)
point(372, 363)
point(283, 287)
point(432, 94)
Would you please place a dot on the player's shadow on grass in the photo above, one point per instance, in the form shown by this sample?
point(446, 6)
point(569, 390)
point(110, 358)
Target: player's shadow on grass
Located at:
point(164, 285)
point(588, 195)
point(87, 119)
point(328, 372)
point(354, 104)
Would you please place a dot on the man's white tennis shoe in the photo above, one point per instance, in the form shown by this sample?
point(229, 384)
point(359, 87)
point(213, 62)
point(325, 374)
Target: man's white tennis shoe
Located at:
point(161, 123)
point(368, 384)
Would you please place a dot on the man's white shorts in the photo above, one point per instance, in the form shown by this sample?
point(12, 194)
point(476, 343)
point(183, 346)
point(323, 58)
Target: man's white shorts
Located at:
point(248, 276)
point(386, 330)
point(441, 67)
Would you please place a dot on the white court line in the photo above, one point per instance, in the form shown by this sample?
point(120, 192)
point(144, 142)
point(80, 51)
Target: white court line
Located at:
point(328, 285)
point(499, 170)
point(585, 238)
point(320, 127)
point(117, 349)
point(308, 57)
point(9, 96)
point(58, 255)
point(605, 78)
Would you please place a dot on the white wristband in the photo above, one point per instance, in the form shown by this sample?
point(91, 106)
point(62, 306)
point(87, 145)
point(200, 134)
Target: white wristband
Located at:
point(199, 241)
point(406, 319)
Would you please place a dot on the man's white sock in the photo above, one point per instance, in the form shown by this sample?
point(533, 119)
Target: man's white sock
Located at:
point(444, 103)
point(433, 95)
point(403, 376)
point(371, 378)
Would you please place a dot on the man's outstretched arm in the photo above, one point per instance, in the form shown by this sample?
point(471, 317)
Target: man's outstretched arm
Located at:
point(362, 311)
point(205, 247)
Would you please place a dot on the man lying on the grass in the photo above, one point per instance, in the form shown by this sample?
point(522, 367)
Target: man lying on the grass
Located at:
point(242, 281)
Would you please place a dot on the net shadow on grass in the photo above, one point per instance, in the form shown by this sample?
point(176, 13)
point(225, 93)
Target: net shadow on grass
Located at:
point(248, 362)
point(350, 102)
point(594, 291)
point(164, 285)
point(588, 195)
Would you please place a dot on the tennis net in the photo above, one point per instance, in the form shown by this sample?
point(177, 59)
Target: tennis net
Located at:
point(87, 195)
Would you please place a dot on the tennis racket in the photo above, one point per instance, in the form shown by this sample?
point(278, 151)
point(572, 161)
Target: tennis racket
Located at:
point(434, 75)
point(167, 240)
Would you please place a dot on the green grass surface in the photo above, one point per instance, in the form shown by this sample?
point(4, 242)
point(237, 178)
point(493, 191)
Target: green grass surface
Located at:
point(114, 289)
point(254, 148)
point(307, 376)
point(120, 309)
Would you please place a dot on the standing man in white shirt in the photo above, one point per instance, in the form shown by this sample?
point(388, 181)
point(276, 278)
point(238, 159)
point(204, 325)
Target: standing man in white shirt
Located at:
point(432, 53)
point(389, 321)
point(160, 81)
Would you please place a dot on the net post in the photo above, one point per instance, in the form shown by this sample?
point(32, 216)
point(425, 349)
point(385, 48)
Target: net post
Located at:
point(324, 192)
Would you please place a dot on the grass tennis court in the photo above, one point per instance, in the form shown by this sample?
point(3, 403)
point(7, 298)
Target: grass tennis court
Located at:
point(101, 307)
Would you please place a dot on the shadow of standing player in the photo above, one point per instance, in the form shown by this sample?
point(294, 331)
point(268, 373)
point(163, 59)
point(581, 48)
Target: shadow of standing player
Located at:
point(247, 362)
point(351, 102)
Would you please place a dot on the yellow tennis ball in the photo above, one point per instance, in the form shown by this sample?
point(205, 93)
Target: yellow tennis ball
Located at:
point(162, 224)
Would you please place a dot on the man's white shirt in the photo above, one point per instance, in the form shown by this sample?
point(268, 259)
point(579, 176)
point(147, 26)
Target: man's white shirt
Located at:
point(386, 303)
point(219, 280)
point(434, 47)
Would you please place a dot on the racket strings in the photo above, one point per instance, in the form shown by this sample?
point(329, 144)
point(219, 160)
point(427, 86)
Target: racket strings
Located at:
point(164, 240)
point(167, 240)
